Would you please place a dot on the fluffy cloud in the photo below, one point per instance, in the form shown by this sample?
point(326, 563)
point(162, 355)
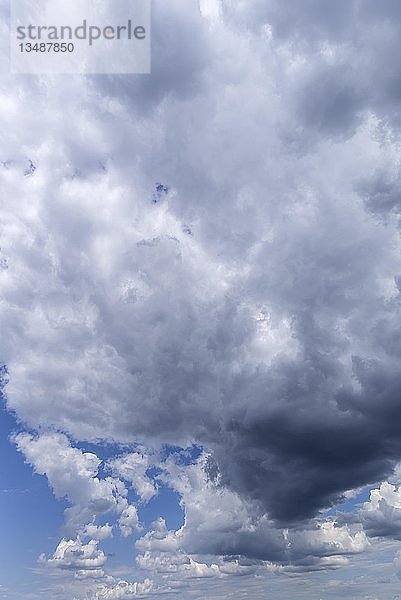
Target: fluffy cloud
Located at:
point(73, 474)
point(224, 536)
point(97, 532)
point(74, 555)
point(132, 468)
point(381, 516)
point(159, 539)
point(129, 521)
point(125, 590)
point(253, 308)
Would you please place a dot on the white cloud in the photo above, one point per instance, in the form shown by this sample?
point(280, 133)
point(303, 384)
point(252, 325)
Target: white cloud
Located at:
point(74, 555)
point(210, 8)
point(381, 515)
point(95, 532)
point(132, 468)
point(179, 567)
point(73, 474)
point(129, 521)
point(125, 590)
point(159, 539)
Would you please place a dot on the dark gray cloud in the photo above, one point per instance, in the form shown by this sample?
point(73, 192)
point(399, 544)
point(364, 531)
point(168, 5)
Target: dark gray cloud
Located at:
point(296, 460)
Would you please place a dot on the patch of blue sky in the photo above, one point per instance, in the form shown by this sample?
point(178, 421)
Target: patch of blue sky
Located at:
point(183, 456)
point(166, 505)
point(351, 504)
point(31, 518)
point(106, 450)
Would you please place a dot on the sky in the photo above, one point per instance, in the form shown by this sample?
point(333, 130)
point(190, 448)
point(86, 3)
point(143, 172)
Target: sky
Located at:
point(200, 283)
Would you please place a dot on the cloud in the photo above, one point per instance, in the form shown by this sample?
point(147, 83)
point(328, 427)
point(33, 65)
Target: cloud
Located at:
point(253, 309)
point(124, 589)
point(339, 65)
point(397, 564)
point(129, 521)
point(74, 474)
point(74, 555)
point(132, 468)
point(219, 522)
point(95, 532)
point(381, 515)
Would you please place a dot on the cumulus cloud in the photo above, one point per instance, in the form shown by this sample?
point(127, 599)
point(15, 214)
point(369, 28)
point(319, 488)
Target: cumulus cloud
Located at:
point(132, 468)
point(252, 309)
point(218, 522)
point(381, 515)
point(74, 474)
point(126, 590)
point(95, 532)
point(129, 521)
point(74, 555)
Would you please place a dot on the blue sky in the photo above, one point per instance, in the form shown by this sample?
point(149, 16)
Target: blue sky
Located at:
point(200, 279)
point(31, 517)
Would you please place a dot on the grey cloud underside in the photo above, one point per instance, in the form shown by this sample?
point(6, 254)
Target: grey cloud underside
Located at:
point(271, 334)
